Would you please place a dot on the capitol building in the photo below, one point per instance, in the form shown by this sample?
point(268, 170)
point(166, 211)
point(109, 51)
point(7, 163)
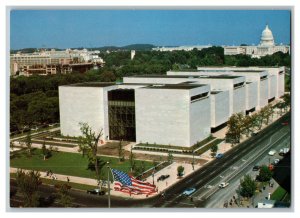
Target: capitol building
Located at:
point(266, 46)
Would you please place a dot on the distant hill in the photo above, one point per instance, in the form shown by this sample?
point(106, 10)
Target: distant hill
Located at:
point(138, 47)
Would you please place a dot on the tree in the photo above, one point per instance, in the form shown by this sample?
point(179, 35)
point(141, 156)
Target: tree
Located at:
point(180, 170)
point(88, 145)
point(265, 174)
point(170, 157)
point(28, 143)
point(287, 101)
point(235, 128)
point(64, 197)
point(44, 150)
point(248, 186)
point(214, 150)
point(28, 184)
point(143, 166)
point(260, 119)
point(280, 106)
point(12, 145)
point(154, 163)
point(248, 124)
point(131, 159)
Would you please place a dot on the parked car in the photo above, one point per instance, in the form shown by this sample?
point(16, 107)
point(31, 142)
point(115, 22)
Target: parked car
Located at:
point(34, 128)
point(220, 155)
point(188, 191)
point(272, 152)
point(256, 168)
point(285, 123)
point(276, 161)
point(162, 177)
point(254, 134)
point(95, 191)
point(283, 151)
point(223, 184)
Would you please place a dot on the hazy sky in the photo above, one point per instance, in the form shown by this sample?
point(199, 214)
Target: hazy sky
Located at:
point(93, 28)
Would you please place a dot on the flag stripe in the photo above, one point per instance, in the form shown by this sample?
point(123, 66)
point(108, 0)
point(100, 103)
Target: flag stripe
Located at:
point(128, 184)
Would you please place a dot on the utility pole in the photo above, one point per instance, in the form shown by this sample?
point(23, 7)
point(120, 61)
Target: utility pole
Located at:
point(193, 160)
point(108, 184)
point(153, 176)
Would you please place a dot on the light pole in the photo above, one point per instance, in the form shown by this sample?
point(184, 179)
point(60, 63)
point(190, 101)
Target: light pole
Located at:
point(153, 176)
point(193, 160)
point(108, 184)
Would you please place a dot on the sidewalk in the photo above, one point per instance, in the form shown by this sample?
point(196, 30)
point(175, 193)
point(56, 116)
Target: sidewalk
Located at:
point(162, 185)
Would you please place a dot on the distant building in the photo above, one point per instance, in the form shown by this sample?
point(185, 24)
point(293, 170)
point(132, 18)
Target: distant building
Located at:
point(52, 62)
point(266, 47)
point(179, 48)
point(132, 54)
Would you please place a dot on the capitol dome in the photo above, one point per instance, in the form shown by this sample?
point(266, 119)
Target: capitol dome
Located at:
point(267, 38)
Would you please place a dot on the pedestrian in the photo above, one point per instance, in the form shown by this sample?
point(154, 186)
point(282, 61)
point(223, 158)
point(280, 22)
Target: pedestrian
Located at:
point(68, 179)
point(166, 183)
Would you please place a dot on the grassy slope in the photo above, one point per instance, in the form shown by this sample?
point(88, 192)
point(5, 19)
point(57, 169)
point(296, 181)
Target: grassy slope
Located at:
point(67, 163)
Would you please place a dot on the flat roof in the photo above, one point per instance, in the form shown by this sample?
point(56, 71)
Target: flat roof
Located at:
point(187, 76)
point(174, 86)
point(248, 71)
point(92, 84)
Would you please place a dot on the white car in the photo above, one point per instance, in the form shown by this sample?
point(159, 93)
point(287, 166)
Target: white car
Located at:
point(223, 184)
point(272, 152)
point(276, 161)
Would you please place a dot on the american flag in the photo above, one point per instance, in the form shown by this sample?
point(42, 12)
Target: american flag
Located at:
point(128, 184)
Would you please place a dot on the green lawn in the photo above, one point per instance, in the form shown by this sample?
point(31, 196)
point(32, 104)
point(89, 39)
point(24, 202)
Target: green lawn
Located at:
point(278, 194)
point(68, 163)
point(55, 182)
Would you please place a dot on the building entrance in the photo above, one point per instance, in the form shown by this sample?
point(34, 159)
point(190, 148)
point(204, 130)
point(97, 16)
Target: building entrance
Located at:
point(121, 114)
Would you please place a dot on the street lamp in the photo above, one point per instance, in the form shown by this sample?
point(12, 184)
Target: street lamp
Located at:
point(193, 160)
point(153, 177)
point(108, 183)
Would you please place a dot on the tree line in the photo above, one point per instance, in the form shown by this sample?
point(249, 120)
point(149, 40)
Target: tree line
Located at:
point(245, 125)
point(34, 100)
point(158, 62)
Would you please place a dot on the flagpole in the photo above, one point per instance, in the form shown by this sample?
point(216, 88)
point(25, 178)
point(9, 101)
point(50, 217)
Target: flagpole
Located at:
point(108, 183)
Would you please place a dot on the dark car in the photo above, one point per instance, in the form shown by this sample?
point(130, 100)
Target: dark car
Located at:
point(162, 177)
point(95, 192)
point(285, 123)
point(220, 155)
point(256, 168)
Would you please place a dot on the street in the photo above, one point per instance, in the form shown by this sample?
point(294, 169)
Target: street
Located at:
point(234, 165)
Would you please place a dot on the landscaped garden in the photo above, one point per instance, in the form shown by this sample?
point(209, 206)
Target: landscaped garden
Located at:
point(72, 164)
point(198, 149)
